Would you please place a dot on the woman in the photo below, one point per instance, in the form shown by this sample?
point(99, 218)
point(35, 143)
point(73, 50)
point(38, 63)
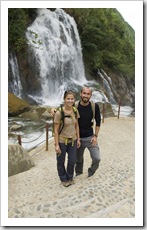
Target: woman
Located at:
point(66, 136)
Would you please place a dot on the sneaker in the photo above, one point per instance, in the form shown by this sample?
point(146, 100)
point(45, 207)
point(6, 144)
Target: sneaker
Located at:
point(77, 174)
point(90, 173)
point(71, 182)
point(65, 183)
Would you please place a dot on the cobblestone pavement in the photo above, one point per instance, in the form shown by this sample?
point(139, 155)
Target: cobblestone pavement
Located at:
point(109, 193)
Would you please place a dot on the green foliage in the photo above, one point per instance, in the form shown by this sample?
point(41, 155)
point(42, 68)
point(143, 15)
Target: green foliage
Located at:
point(107, 40)
point(36, 40)
point(18, 20)
point(16, 28)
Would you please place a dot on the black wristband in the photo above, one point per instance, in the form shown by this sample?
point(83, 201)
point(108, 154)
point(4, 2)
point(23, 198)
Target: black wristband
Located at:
point(95, 135)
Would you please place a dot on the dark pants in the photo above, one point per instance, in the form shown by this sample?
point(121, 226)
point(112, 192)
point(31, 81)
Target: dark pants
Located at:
point(66, 174)
point(94, 153)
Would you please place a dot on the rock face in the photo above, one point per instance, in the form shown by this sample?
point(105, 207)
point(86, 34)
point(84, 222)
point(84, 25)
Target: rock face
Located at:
point(124, 87)
point(16, 105)
point(18, 160)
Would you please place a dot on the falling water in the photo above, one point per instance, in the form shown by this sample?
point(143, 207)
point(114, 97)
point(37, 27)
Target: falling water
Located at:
point(53, 37)
point(15, 86)
point(106, 85)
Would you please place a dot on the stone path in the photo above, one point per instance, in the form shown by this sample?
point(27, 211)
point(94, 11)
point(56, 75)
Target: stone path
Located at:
point(109, 193)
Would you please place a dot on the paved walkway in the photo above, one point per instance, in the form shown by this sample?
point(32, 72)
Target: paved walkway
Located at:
point(109, 193)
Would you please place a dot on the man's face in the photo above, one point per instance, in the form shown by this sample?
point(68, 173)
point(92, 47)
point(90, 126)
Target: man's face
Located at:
point(86, 94)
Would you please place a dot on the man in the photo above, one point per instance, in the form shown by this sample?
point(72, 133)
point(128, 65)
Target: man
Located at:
point(88, 137)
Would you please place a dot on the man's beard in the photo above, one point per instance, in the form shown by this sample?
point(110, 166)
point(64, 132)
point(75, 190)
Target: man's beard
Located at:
point(85, 100)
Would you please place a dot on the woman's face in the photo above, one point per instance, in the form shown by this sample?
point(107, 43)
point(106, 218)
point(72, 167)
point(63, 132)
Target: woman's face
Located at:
point(69, 99)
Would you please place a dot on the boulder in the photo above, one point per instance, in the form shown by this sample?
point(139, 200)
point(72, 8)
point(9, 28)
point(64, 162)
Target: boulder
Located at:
point(19, 159)
point(47, 115)
point(15, 127)
point(34, 113)
point(16, 105)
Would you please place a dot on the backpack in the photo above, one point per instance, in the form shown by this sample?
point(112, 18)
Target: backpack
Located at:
point(63, 116)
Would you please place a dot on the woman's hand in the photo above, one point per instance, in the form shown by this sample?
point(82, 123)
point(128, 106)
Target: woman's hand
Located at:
point(57, 149)
point(78, 143)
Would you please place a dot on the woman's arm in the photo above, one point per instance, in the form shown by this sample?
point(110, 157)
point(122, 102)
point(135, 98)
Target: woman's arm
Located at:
point(56, 138)
point(77, 133)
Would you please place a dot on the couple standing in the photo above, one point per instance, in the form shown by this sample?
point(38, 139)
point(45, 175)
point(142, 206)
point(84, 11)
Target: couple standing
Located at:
point(76, 134)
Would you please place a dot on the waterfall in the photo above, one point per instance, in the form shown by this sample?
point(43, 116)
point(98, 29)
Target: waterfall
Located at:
point(54, 62)
point(54, 40)
point(15, 85)
point(106, 85)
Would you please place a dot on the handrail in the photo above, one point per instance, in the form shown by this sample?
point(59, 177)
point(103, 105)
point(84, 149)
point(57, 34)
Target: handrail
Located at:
point(103, 114)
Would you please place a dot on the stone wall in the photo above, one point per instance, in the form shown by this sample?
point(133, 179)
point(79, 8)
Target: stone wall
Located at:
point(19, 160)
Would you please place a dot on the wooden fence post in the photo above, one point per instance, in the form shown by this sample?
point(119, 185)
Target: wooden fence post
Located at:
point(53, 127)
point(19, 139)
point(103, 113)
point(47, 126)
point(118, 109)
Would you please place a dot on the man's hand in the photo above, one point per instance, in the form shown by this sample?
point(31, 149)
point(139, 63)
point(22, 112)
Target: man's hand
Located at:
point(53, 111)
point(94, 140)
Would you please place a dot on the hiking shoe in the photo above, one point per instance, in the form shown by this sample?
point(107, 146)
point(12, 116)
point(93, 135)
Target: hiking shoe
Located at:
point(71, 182)
point(90, 173)
point(65, 183)
point(77, 174)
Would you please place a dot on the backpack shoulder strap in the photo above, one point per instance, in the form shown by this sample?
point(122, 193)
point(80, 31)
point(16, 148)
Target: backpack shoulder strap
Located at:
point(75, 111)
point(76, 104)
point(60, 109)
point(93, 109)
point(62, 118)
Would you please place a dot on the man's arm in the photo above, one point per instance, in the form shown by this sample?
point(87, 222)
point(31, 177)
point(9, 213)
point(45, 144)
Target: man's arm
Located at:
point(53, 111)
point(97, 129)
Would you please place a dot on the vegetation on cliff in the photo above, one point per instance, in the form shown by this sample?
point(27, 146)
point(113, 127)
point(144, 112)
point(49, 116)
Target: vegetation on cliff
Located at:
point(18, 20)
point(107, 40)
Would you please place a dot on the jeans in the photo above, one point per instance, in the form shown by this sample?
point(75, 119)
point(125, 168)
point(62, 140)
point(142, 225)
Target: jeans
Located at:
point(66, 174)
point(94, 154)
